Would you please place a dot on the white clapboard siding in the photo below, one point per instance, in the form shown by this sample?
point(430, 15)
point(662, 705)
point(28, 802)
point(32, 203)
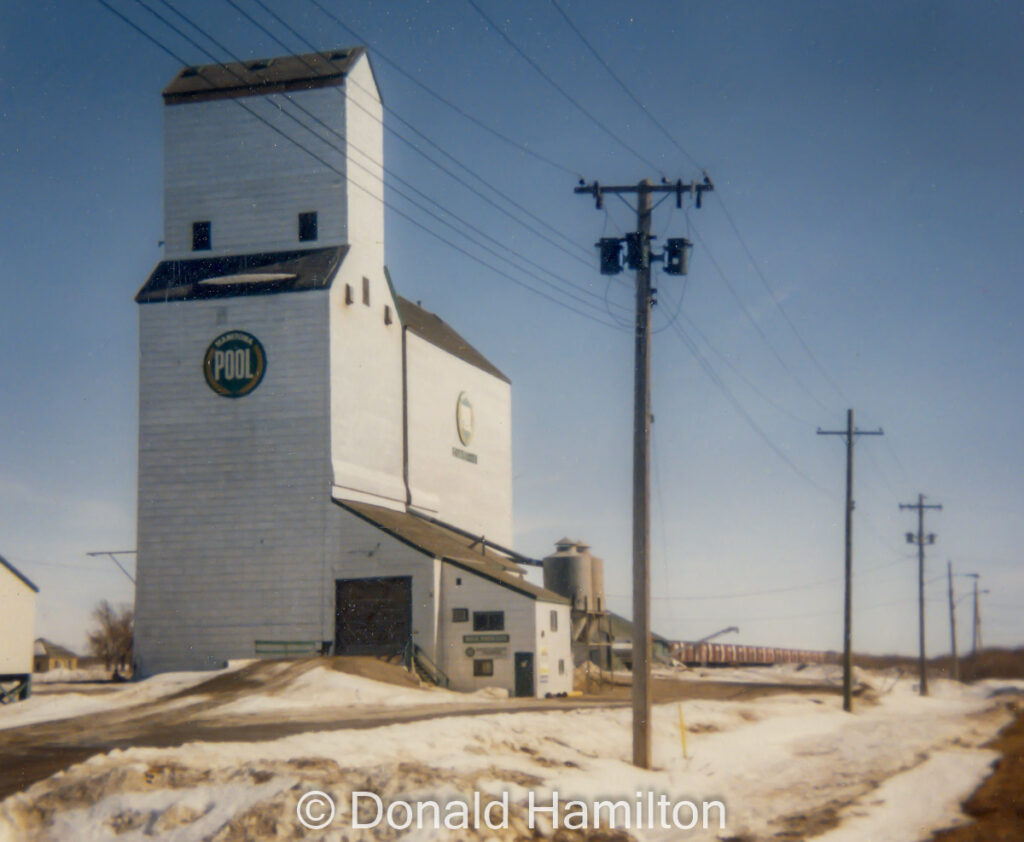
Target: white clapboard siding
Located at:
point(463, 589)
point(474, 496)
point(225, 166)
point(232, 516)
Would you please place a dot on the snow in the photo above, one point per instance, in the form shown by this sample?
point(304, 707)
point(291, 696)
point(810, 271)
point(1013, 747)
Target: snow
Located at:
point(928, 795)
point(896, 769)
point(46, 707)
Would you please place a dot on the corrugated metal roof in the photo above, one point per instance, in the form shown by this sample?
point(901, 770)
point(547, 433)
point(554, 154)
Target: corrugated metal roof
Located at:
point(436, 331)
point(242, 274)
point(261, 76)
point(18, 573)
point(438, 542)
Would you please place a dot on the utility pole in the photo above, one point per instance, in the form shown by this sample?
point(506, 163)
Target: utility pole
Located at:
point(952, 622)
point(851, 433)
point(976, 630)
point(639, 258)
point(920, 540)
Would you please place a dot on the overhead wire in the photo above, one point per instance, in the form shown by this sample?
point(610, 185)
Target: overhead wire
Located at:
point(775, 299)
point(732, 222)
point(724, 389)
point(757, 327)
point(440, 98)
point(575, 103)
point(624, 86)
point(586, 258)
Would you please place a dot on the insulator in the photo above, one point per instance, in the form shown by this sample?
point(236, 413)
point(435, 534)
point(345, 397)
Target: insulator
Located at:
point(611, 255)
point(677, 252)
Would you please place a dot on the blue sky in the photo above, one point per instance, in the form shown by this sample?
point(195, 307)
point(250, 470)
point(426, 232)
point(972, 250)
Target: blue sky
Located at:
point(869, 154)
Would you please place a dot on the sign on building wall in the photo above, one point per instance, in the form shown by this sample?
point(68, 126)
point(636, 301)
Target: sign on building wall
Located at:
point(234, 364)
point(464, 421)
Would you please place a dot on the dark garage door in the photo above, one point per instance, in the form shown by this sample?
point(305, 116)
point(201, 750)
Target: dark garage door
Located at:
point(372, 616)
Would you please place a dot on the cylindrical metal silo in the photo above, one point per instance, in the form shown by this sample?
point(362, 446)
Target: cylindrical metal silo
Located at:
point(597, 584)
point(569, 572)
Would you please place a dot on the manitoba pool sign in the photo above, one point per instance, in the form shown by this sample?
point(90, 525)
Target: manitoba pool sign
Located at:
point(234, 364)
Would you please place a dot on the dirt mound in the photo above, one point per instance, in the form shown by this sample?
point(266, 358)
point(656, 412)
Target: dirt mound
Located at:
point(997, 806)
point(269, 675)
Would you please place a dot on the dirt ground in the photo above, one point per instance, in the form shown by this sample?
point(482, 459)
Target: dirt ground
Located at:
point(989, 663)
point(997, 806)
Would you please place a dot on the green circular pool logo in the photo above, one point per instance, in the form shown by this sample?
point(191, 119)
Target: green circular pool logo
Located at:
point(234, 364)
point(464, 419)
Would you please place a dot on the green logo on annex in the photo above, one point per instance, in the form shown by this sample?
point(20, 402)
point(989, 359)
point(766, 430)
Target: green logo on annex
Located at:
point(464, 418)
point(234, 364)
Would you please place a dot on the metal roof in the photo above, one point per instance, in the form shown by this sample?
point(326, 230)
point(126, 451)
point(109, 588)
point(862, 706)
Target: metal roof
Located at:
point(18, 573)
point(242, 274)
point(434, 540)
point(436, 331)
point(262, 76)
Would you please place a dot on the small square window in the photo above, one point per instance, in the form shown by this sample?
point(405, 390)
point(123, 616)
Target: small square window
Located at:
point(348, 294)
point(458, 581)
point(307, 227)
point(387, 314)
point(561, 666)
point(483, 667)
point(488, 621)
point(201, 236)
point(554, 621)
point(460, 615)
point(366, 291)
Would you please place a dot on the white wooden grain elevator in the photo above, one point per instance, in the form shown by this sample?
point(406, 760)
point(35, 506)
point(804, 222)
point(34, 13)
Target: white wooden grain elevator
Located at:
point(324, 466)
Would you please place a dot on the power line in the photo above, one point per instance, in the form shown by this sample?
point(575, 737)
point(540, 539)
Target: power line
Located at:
point(623, 85)
point(584, 259)
point(775, 299)
point(547, 78)
point(754, 324)
point(729, 217)
point(724, 389)
point(692, 327)
point(384, 57)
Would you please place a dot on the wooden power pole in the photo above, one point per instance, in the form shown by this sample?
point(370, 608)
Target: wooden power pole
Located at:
point(952, 622)
point(920, 539)
point(851, 433)
point(639, 258)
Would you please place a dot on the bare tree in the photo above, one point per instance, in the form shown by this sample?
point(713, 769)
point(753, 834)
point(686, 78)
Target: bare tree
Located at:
point(112, 637)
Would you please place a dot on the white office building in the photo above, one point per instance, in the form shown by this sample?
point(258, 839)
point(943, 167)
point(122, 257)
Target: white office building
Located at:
point(324, 466)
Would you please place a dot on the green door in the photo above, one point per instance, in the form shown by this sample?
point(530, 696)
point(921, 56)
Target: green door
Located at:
point(524, 674)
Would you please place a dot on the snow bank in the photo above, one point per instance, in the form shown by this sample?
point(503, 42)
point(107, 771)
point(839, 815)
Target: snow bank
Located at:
point(48, 707)
point(786, 764)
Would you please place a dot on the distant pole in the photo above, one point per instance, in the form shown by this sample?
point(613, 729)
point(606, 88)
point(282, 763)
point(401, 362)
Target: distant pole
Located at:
point(851, 433)
point(952, 622)
point(640, 258)
point(976, 629)
point(920, 506)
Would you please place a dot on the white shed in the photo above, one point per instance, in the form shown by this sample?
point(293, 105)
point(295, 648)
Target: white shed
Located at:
point(17, 630)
